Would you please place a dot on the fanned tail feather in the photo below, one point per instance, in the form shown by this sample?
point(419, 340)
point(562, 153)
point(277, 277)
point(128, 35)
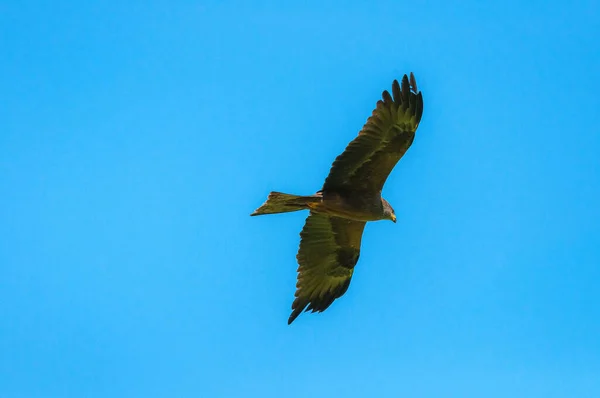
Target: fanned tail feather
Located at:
point(278, 202)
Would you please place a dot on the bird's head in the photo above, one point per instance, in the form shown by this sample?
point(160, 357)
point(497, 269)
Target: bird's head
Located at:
point(388, 211)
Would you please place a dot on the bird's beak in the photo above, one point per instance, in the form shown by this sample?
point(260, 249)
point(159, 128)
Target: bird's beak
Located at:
point(394, 218)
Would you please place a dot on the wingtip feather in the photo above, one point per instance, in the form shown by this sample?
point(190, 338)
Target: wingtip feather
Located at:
point(413, 83)
point(297, 311)
point(396, 91)
point(387, 98)
point(405, 88)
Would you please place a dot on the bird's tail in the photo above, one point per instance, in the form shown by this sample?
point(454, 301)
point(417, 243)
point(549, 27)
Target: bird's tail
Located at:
point(278, 202)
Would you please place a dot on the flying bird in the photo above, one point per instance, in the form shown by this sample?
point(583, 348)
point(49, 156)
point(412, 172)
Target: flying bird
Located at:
point(350, 197)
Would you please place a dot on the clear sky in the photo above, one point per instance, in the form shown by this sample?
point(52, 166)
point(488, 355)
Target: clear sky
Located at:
point(137, 137)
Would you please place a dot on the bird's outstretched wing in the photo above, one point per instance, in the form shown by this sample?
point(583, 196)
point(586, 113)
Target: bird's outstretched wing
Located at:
point(388, 133)
point(329, 250)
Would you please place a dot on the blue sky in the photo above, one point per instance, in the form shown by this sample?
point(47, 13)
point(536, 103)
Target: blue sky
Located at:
point(136, 139)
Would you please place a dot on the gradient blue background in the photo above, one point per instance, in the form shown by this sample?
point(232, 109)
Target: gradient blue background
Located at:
point(135, 140)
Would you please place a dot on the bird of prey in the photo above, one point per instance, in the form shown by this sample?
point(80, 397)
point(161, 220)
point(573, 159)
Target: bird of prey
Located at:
point(350, 197)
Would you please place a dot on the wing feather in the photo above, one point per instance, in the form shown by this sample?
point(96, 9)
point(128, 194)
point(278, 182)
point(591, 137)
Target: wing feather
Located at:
point(368, 160)
point(329, 250)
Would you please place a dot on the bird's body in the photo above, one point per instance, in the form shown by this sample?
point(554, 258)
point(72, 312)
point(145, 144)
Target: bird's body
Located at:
point(350, 197)
point(357, 206)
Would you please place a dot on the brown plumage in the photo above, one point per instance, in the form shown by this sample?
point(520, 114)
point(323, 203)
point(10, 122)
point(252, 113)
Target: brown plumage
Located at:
point(350, 197)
